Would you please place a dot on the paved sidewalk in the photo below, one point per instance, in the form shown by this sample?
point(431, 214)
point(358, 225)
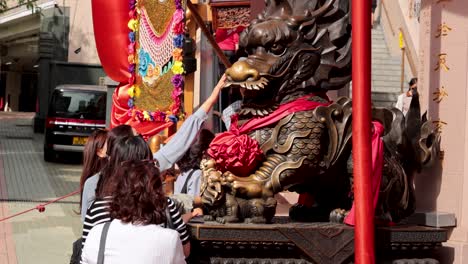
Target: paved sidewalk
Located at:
point(26, 181)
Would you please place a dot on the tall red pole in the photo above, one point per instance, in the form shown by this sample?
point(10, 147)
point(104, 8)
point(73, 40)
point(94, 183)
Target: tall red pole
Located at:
point(362, 152)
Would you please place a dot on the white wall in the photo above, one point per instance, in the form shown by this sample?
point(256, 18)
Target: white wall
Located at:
point(411, 21)
point(81, 33)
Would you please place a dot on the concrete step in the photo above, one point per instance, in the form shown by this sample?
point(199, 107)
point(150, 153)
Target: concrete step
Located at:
point(385, 90)
point(385, 67)
point(388, 89)
point(381, 55)
point(390, 76)
point(385, 70)
point(380, 50)
point(379, 45)
point(387, 78)
point(388, 61)
point(386, 85)
point(376, 32)
point(377, 38)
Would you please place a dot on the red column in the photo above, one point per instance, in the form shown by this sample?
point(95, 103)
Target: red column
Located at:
point(364, 228)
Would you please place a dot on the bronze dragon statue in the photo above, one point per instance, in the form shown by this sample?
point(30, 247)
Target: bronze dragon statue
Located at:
point(298, 50)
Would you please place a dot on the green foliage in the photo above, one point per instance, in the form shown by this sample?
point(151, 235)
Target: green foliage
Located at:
point(30, 4)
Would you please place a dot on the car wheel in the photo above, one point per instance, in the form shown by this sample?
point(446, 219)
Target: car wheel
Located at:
point(49, 155)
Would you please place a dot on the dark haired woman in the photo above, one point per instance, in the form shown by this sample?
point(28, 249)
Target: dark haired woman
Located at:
point(94, 158)
point(188, 182)
point(124, 150)
point(137, 208)
point(88, 187)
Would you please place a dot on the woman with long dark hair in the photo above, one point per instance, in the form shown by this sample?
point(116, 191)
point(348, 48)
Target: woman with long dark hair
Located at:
point(124, 150)
point(188, 182)
point(94, 158)
point(88, 190)
point(137, 208)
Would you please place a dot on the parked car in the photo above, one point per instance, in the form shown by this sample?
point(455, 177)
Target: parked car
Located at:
point(75, 111)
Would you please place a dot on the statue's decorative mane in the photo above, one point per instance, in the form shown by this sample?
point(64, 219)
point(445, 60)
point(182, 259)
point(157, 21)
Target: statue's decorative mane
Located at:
point(325, 25)
point(304, 46)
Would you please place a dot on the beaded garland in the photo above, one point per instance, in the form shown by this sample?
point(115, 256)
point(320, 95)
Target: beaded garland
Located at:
point(155, 60)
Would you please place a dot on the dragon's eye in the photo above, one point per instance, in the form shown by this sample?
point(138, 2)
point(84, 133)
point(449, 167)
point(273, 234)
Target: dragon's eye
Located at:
point(277, 49)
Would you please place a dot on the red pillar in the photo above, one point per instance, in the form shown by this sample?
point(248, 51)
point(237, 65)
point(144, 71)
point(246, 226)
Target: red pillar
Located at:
point(364, 228)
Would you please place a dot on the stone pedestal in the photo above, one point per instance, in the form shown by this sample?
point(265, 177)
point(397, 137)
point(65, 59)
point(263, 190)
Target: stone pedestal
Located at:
point(324, 243)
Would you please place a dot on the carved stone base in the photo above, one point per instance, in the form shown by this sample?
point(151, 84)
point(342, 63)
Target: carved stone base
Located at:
point(259, 261)
point(294, 242)
point(415, 261)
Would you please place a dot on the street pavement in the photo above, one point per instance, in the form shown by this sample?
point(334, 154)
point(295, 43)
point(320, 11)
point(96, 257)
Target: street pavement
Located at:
point(26, 181)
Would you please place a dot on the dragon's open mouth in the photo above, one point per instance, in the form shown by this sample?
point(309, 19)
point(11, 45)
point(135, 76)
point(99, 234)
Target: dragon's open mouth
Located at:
point(257, 85)
point(257, 98)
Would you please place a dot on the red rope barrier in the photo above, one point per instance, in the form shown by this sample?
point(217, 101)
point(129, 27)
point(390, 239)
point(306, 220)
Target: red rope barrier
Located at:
point(40, 207)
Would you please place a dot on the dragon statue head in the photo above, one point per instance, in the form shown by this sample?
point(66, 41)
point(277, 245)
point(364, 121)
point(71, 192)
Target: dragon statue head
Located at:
point(294, 48)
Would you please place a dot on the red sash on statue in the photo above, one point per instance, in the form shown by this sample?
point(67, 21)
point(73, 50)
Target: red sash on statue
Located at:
point(377, 166)
point(236, 152)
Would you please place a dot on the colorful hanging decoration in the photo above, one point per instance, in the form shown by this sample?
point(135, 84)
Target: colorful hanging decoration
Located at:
point(156, 38)
point(150, 35)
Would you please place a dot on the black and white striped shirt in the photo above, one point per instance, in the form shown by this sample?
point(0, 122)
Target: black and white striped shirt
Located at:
point(98, 213)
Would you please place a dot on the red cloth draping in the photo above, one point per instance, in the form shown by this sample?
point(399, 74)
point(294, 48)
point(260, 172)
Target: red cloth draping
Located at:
point(120, 114)
point(377, 165)
point(228, 38)
point(236, 152)
point(110, 19)
point(239, 154)
point(306, 199)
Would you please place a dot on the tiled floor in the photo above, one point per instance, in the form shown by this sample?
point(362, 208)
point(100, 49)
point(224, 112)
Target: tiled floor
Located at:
point(27, 181)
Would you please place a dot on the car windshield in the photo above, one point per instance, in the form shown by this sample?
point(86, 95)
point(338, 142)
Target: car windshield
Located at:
point(78, 104)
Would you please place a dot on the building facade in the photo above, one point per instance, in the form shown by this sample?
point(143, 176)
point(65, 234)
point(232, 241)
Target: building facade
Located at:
point(45, 47)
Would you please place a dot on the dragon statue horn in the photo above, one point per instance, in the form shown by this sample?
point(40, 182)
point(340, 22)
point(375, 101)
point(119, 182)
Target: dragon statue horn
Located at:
point(276, 9)
point(298, 11)
point(323, 9)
